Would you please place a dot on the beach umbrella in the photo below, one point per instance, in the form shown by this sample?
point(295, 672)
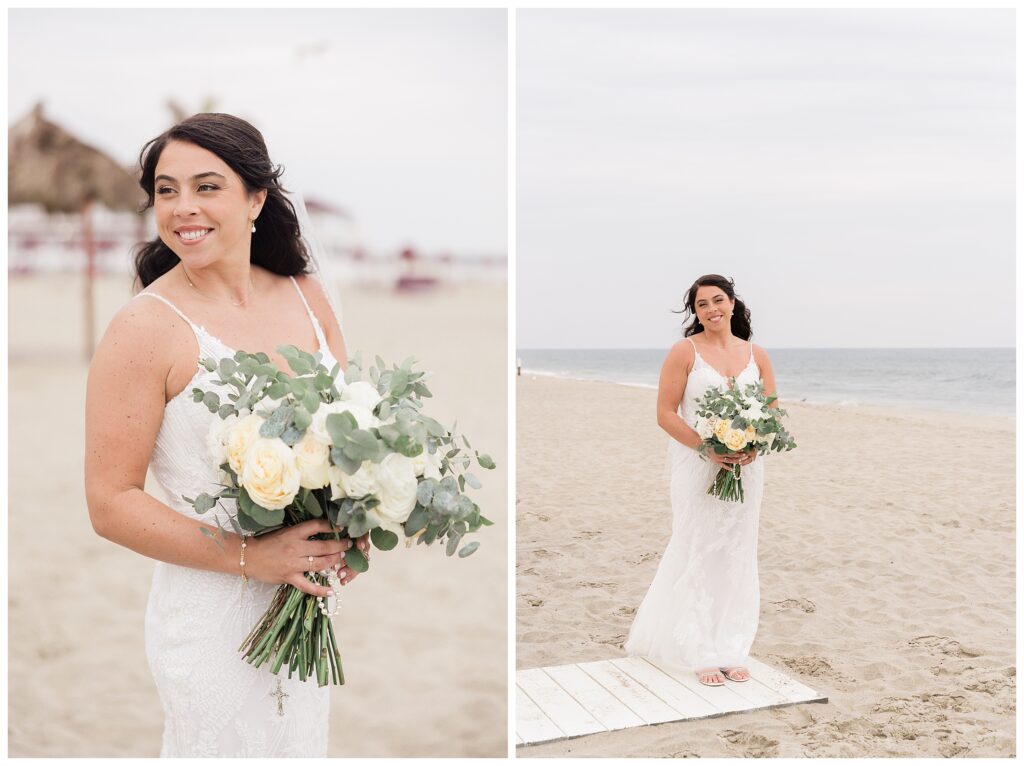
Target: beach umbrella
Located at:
point(50, 167)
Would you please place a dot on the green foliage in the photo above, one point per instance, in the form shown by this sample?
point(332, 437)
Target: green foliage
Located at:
point(383, 539)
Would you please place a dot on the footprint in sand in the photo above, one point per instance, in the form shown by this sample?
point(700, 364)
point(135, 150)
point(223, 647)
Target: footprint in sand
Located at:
point(645, 557)
point(596, 584)
point(751, 745)
point(533, 600)
point(616, 641)
point(945, 645)
point(813, 665)
point(626, 611)
point(804, 604)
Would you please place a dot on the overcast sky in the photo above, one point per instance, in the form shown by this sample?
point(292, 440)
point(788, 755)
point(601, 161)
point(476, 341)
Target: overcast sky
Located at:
point(399, 116)
point(853, 171)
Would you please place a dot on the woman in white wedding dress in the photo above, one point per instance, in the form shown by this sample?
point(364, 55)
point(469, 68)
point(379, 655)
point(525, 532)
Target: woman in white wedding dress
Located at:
point(229, 271)
point(701, 611)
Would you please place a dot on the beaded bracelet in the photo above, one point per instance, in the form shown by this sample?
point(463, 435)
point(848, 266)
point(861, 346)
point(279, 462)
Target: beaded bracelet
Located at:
point(241, 562)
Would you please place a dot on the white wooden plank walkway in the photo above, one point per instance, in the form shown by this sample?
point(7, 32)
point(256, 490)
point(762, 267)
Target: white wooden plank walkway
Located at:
point(590, 697)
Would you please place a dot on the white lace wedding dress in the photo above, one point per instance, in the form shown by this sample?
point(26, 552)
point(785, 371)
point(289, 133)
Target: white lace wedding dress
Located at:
point(215, 703)
point(702, 608)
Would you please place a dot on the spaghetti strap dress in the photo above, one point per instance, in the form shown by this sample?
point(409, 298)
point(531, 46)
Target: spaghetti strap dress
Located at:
point(701, 610)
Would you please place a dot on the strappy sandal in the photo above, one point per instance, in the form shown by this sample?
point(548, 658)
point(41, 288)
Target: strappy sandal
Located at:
point(709, 673)
point(727, 672)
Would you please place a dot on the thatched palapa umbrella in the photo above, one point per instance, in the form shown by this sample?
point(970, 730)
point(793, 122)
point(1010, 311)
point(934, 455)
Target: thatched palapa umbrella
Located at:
point(48, 166)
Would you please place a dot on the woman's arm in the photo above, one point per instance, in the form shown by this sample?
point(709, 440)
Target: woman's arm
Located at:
point(671, 387)
point(767, 373)
point(124, 409)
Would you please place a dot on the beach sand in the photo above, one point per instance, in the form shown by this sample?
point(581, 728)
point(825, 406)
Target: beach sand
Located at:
point(423, 637)
point(886, 557)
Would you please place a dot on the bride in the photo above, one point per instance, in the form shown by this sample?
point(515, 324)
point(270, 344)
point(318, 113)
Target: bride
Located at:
point(228, 271)
point(701, 610)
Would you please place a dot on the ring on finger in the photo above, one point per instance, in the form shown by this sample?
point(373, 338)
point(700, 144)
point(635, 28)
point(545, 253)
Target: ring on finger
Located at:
point(310, 560)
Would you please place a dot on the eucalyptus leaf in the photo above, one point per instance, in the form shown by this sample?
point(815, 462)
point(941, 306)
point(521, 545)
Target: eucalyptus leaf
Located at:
point(472, 481)
point(417, 520)
point(355, 560)
point(468, 549)
point(383, 539)
point(485, 461)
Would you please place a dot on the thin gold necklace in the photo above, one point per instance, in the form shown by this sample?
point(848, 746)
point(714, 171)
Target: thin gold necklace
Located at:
point(252, 289)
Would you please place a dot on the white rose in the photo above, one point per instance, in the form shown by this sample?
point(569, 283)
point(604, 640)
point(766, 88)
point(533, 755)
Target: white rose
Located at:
point(363, 482)
point(241, 436)
point(706, 427)
point(363, 394)
point(270, 474)
point(428, 465)
point(313, 459)
point(217, 438)
point(396, 488)
point(364, 419)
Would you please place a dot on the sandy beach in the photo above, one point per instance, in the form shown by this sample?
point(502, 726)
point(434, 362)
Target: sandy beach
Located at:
point(423, 637)
point(886, 555)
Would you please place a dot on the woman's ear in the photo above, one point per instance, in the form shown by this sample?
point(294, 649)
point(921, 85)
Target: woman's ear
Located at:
point(258, 200)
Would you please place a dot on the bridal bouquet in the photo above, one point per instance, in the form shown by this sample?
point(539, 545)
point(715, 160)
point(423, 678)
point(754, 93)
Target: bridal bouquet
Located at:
point(734, 421)
point(295, 447)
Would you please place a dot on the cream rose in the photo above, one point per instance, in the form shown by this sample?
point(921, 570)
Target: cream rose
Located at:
point(362, 394)
point(396, 482)
point(270, 474)
point(313, 459)
point(318, 428)
point(363, 482)
point(241, 436)
point(735, 439)
point(721, 429)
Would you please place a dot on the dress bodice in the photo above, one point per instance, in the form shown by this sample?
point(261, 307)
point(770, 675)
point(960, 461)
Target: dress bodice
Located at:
point(703, 376)
point(180, 461)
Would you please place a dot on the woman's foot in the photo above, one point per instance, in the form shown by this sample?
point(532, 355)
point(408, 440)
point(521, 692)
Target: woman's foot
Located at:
point(710, 677)
point(736, 673)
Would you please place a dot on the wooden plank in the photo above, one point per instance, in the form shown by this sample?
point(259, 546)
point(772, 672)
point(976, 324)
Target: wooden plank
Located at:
point(557, 704)
point(789, 688)
point(633, 695)
point(722, 697)
point(687, 702)
point(602, 704)
point(531, 723)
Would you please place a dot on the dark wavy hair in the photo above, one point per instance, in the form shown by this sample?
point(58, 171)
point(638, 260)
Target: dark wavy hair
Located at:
point(277, 245)
point(740, 324)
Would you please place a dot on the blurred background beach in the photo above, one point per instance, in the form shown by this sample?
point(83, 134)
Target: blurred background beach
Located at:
point(853, 172)
point(392, 125)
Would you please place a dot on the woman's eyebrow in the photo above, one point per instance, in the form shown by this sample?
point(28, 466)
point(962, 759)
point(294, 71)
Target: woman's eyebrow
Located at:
point(196, 177)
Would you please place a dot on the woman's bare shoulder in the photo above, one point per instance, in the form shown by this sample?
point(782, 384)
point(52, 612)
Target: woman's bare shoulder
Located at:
point(128, 342)
point(760, 355)
point(318, 301)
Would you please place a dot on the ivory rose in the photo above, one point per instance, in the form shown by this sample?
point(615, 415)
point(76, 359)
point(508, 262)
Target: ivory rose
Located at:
point(396, 488)
point(318, 428)
point(360, 484)
point(270, 474)
point(313, 459)
point(242, 435)
point(362, 394)
point(735, 439)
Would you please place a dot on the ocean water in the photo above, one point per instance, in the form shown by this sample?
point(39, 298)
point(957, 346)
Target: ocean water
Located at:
point(968, 380)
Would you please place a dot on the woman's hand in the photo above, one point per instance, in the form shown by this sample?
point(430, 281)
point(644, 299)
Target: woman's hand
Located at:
point(731, 459)
point(283, 556)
